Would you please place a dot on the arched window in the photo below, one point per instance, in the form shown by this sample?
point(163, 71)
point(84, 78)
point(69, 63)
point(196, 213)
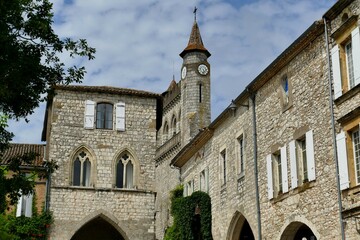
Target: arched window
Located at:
point(166, 132)
point(104, 116)
point(173, 125)
point(125, 172)
point(82, 169)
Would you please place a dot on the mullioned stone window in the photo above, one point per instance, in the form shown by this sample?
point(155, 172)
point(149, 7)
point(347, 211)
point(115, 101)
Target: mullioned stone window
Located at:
point(125, 172)
point(81, 169)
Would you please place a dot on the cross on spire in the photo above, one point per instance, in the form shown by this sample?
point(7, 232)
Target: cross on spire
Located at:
point(195, 9)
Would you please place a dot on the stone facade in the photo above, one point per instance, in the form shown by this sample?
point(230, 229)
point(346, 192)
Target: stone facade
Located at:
point(297, 195)
point(269, 161)
point(131, 209)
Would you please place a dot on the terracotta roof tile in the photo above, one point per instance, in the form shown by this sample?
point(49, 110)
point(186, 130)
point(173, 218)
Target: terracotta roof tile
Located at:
point(106, 89)
point(195, 42)
point(18, 149)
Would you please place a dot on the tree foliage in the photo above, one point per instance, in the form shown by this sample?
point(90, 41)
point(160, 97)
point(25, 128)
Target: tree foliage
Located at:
point(29, 66)
point(192, 216)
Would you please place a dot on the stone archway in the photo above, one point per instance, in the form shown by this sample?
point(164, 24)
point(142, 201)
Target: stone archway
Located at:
point(298, 231)
point(240, 228)
point(96, 229)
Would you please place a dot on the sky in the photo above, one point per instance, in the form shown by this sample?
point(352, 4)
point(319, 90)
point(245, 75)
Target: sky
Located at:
point(138, 43)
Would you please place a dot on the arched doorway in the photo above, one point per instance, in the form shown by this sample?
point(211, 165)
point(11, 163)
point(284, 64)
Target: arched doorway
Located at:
point(298, 231)
point(240, 228)
point(97, 229)
point(246, 233)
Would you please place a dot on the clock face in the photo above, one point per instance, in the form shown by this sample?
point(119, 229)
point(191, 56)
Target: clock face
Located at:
point(183, 72)
point(203, 69)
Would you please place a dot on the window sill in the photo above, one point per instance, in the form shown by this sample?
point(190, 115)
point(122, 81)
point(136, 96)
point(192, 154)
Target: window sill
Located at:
point(299, 189)
point(241, 176)
point(102, 189)
point(347, 95)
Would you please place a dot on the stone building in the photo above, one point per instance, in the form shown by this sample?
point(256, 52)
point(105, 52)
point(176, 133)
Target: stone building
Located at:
point(281, 162)
point(26, 203)
point(270, 161)
point(104, 141)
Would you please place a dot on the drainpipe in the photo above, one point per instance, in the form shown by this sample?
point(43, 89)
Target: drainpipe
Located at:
point(252, 97)
point(331, 101)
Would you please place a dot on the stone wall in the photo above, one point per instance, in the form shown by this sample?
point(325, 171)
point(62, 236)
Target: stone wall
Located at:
point(313, 203)
point(132, 209)
point(237, 196)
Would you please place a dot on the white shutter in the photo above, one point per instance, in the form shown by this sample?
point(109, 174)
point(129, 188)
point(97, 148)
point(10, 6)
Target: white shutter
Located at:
point(293, 165)
point(207, 180)
point(269, 176)
point(310, 155)
point(355, 41)
point(28, 205)
point(342, 160)
point(284, 173)
point(19, 206)
point(120, 116)
point(335, 60)
point(89, 114)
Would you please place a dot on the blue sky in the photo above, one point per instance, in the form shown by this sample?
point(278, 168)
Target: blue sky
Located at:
point(138, 42)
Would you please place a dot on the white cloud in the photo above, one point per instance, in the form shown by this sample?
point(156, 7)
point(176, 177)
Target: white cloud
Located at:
point(138, 42)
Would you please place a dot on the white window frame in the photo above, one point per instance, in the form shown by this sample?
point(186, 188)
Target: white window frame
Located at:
point(223, 166)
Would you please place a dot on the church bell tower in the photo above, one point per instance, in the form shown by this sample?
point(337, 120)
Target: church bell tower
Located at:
point(195, 86)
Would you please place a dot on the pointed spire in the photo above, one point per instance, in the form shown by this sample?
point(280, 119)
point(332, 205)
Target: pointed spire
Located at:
point(195, 41)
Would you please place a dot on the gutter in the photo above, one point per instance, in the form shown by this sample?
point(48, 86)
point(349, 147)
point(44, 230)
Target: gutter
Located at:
point(331, 101)
point(256, 172)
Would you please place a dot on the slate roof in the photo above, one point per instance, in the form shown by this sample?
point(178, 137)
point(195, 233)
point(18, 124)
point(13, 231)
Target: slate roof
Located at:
point(18, 149)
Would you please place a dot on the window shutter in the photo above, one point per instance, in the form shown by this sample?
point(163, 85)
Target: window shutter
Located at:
point(355, 41)
point(310, 155)
point(342, 160)
point(19, 206)
point(28, 205)
point(284, 173)
point(89, 114)
point(120, 116)
point(269, 176)
point(335, 60)
point(293, 165)
point(207, 179)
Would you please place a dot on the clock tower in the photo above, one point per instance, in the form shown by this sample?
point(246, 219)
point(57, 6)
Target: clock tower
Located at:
point(195, 86)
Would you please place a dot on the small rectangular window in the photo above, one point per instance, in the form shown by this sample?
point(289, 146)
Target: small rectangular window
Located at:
point(277, 174)
point(204, 183)
point(356, 152)
point(301, 161)
point(104, 116)
point(223, 162)
point(349, 64)
point(240, 141)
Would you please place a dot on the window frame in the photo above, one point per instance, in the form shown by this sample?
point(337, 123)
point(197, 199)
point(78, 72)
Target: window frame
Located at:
point(82, 156)
point(223, 166)
point(240, 154)
point(102, 123)
point(126, 160)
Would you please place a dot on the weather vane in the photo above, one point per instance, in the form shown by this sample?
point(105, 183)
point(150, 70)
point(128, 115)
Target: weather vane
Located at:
point(195, 9)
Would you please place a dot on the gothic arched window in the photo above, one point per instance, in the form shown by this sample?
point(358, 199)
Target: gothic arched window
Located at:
point(82, 169)
point(125, 172)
